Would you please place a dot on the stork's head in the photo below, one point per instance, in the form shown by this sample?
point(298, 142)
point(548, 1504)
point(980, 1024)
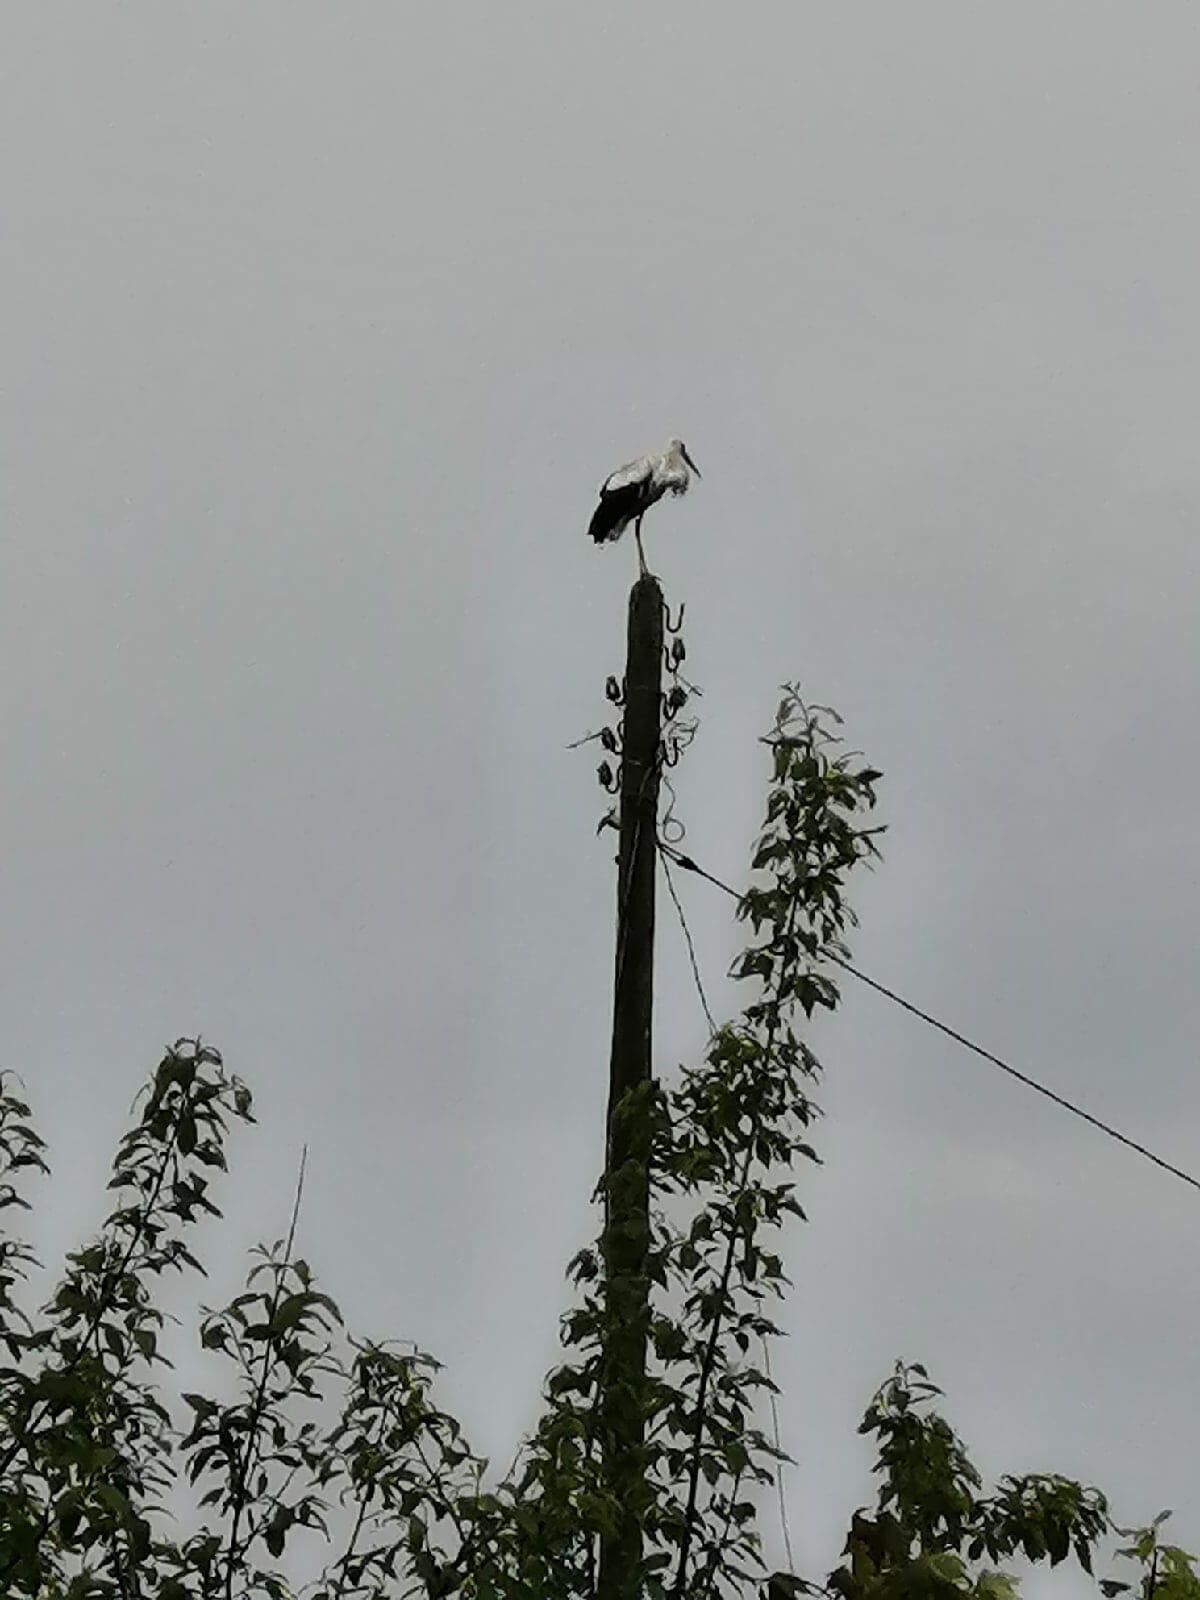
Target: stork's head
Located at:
point(678, 448)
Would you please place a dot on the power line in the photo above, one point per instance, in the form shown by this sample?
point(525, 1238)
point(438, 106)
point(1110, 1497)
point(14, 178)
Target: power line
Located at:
point(691, 948)
point(688, 865)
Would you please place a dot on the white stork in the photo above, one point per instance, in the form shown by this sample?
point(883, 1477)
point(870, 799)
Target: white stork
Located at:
point(629, 492)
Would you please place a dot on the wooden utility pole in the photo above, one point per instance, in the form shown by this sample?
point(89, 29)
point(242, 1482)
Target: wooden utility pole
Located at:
point(627, 1217)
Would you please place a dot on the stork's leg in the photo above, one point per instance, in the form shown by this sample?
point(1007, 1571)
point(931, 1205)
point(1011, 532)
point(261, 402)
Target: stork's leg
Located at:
point(637, 534)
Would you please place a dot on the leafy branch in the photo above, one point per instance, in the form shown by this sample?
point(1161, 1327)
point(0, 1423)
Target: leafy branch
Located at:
point(87, 1437)
point(933, 1523)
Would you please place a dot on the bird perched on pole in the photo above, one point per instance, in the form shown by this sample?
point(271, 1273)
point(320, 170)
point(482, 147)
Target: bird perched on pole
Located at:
point(629, 492)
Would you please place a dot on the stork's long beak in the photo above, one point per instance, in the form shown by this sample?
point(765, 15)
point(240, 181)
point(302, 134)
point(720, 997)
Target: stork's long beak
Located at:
point(691, 463)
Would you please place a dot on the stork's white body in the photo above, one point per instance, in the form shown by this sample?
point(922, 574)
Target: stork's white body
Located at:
point(629, 492)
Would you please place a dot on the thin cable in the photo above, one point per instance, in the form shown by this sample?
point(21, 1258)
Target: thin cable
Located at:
point(689, 865)
point(687, 934)
point(780, 1459)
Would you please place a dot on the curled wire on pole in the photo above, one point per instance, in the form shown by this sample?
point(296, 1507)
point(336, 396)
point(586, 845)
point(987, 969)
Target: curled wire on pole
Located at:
point(609, 780)
point(677, 732)
point(614, 690)
point(680, 736)
point(677, 742)
point(671, 830)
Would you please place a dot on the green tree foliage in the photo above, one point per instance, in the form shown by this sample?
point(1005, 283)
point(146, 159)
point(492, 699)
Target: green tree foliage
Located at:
point(1165, 1571)
point(318, 1464)
point(934, 1526)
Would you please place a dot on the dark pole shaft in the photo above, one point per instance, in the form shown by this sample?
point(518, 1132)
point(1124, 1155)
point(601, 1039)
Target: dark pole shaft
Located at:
point(627, 1225)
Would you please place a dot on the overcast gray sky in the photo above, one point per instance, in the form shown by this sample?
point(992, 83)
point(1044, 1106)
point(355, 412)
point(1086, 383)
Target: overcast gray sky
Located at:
point(321, 325)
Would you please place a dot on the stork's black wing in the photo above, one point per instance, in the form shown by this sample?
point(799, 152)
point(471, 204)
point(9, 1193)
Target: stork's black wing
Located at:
point(617, 509)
